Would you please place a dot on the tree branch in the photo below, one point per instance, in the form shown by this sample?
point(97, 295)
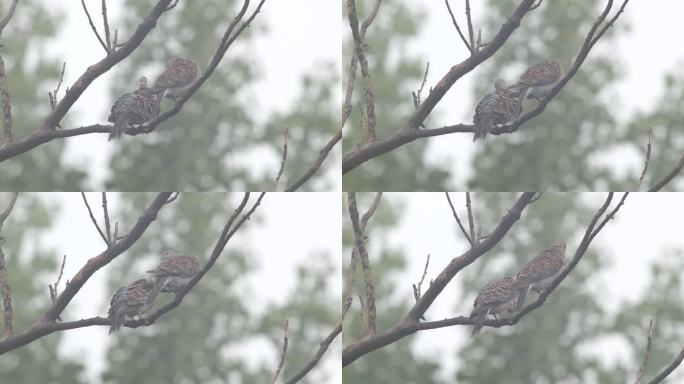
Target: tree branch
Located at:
point(648, 159)
point(92, 218)
point(360, 236)
point(5, 20)
point(453, 20)
point(669, 369)
point(647, 354)
point(6, 105)
point(458, 221)
point(410, 323)
point(92, 26)
point(282, 355)
point(322, 155)
point(675, 171)
point(282, 161)
point(47, 324)
point(323, 346)
point(4, 277)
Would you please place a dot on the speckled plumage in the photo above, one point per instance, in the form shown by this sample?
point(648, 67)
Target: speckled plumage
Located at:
point(132, 108)
point(498, 107)
point(494, 298)
point(171, 275)
point(177, 77)
point(127, 301)
point(538, 79)
point(540, 271)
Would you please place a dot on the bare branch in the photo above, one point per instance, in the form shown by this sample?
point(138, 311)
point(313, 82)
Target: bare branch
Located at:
point(92, 26)
point(669, 369)
point(675, 171)
point(54, 94)
point(6, 105)
point(4, 277)
point(365, 71)
point(282, 161)
point(54, 289)
point(453, 20)
point(417, 287)
point(471, 34)
point(647, 354)
point(5, 20)
point(322, 155)
point(323, 346)
point(360, 237)
point(458, 221)
point(646, 161)
point(106, 218)
point(471, 222)
point(92, 218)
point(108, 39)
point(416, 95)
point(282, 355)
point(8, 209)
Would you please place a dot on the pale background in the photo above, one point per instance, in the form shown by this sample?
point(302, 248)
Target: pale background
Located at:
point(643, 228)
point(646, 51)
point(305, 29)
point(285, 230)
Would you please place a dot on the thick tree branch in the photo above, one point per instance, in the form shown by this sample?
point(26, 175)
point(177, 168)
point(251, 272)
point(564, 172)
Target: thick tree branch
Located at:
point(46, 324)
point(410, 132)
point(6, 19)
point(5, 98)
point(669, 369)
point(410, 323)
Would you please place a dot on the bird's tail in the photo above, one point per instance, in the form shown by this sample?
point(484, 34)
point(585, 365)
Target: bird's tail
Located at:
point(482, 128)
point(117, 319)
point(480, 316)
point(522, 292)
point(120, 125)
point(158, 285)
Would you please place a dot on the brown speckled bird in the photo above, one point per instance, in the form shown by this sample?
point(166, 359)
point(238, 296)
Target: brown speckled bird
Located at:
point(132, 108)
point(178, 76)
point(539, 271)
point(171, 275)
point(498, 107)
point(494, 298)
point(127, 301)
point(538, 79)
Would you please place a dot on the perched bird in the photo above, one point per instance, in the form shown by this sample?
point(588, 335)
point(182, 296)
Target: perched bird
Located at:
point(538, 79)
point(132, 108)
point(127, 301)
point(178, 76)
point(171, 275)
point(539, 272)
point(498, 107)
point(495, 298)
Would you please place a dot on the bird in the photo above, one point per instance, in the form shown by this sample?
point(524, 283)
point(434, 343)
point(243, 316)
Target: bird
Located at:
point(132, 108)
point(498, 107)
point(171, 275)
point(540, 271)
point(538, 79)
point(127, 301)
point(178, 76)
point(495, 298)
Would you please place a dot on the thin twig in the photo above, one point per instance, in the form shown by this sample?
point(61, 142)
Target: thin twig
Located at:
point(417, 287)
point(54, 289)
point(471, 33)
point(105, 210)
point(106, 27)
point(648, 159)
point(647, 354)
point(53, 94)
point(92, 26)
point(282, 354)
point(322, 347)
point(416, 95)
point(458, 221)
point(282, 161)
point(453, 20)
point(322, 155)
point(471, 222)
point(92, 218)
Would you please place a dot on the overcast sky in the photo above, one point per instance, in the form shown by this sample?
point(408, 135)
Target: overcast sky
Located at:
point(645, 53)
point(302, 34)
point(295, 226)
point(427, 227)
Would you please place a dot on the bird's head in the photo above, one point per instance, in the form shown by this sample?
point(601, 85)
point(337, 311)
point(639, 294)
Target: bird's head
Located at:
point(499, 84)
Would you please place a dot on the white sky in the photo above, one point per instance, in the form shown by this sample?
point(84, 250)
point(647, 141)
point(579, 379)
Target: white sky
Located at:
point(645, 51)
point(294, 227)
point(301, 35)
point(427, 227)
